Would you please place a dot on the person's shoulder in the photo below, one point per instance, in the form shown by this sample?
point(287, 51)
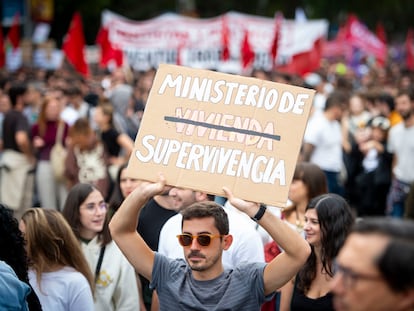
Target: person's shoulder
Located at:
point(113, 248)
point(14, 115)
point(175, 264)
point(288, 210)
point(70, 274)
point(13, 292)
point(397, 127)
point(150, 203)
point(172, 222)
point(5, 268)
point(175, 218)
point(247, 269)
point(113, 132)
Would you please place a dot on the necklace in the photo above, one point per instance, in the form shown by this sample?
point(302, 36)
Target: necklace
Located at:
point(299, 224)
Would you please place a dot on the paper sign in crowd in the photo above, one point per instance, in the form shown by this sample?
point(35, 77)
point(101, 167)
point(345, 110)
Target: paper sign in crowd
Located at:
point(204, 130)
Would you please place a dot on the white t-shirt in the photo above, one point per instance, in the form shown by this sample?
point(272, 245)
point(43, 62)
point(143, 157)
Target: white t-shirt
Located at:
point(63, 290)
point(264, 235)
point(401, 144)
point(326, 137)
point(69, 114)
point(247, 245)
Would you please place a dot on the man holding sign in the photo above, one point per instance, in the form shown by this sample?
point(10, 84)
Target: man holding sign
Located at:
point(216, 129)
point(200, 282)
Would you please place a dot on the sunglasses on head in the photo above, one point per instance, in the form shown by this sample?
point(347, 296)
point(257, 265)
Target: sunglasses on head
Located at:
point(203, 239)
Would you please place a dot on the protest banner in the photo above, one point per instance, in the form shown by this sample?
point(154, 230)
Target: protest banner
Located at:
point(204, 130)
point(198, 42)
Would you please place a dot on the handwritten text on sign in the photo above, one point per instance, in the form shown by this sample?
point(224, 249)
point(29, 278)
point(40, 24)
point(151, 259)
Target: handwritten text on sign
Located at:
point(207, 130)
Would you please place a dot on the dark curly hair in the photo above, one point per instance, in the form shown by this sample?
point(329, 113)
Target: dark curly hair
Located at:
point(12, 251)
point(12, 244)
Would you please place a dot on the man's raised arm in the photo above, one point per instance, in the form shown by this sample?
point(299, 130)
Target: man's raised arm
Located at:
point(123, 227)
point(295, 248)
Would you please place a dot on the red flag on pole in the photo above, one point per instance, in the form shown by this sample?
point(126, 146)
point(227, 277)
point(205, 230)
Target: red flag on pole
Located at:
point(359, 36)
point(2, 52)
point(225, 39)
point(14, 34)
point(305, 62)
point(108, 52)
point(179, 52)
point(276, 37)
point(409, 49)
point(380, 32)
point(74, 44)
point(247, 54)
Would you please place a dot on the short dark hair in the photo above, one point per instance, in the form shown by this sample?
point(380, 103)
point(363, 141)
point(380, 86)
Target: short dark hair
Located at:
point(406, 91)
point(396, 261)
point(73, 90)
point(206, 209)
point(337, 99)
point(16, 89)
point(313, 177)
point(388, 99)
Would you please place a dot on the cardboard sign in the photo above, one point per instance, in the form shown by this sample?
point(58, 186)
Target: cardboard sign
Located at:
point(204, 130)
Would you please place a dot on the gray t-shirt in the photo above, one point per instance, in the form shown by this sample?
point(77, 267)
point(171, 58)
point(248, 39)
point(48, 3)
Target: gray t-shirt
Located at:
point(237, 289)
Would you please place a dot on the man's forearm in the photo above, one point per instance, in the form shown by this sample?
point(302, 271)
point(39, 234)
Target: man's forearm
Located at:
point(295, 253)
point(289, 240)
point(307, 150)
point(126, 217)
point(124, 223)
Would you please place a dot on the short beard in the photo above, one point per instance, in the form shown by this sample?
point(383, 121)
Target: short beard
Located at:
point(407, 115)
point(207, 266)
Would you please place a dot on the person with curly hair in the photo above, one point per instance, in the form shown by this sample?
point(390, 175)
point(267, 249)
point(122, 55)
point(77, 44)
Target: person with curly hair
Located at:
point(12, 251)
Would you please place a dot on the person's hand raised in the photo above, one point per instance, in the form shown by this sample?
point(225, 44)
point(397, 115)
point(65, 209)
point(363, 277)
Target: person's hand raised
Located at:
point(250, 208)
point(148, 189)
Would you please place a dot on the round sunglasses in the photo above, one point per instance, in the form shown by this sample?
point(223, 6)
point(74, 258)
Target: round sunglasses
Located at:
point(203, 239)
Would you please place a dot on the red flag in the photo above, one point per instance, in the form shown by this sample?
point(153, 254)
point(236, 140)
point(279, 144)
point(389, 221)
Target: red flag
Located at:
point(380, 32)
point(2, 52)
point(108, 52)
point(276, 37)
point(179, 51)
point(247, 54)
point(74, 44)
point(305, 62)
point(14, 33)
point(225, 39)
point(339, 46)
point(359, 36)
point(409, 49)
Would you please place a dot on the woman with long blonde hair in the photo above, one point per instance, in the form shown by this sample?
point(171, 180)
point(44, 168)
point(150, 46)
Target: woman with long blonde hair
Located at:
point(59, 272)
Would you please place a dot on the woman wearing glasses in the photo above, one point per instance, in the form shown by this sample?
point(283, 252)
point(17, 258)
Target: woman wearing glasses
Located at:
point(328, 219)
point(115, 281)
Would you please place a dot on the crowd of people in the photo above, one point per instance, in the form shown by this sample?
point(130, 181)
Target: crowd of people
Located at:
point(79, 233)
